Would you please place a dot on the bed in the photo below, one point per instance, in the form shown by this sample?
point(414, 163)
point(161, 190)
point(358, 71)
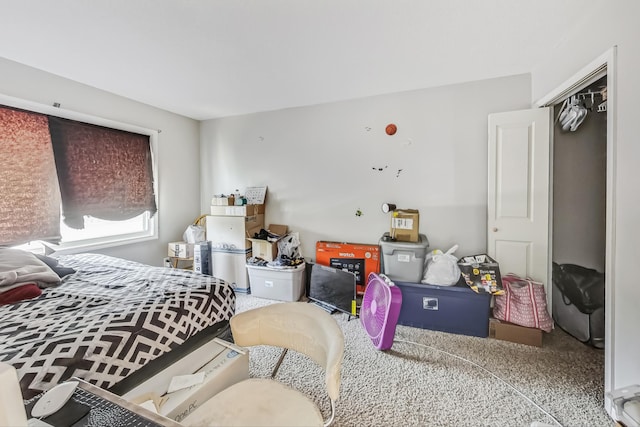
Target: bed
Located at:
point(108, 319)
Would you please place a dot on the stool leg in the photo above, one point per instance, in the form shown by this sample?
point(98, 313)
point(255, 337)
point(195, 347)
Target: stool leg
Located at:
point(275, 370)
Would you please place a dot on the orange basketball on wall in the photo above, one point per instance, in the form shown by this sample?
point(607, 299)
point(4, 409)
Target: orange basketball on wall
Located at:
point(391, 129)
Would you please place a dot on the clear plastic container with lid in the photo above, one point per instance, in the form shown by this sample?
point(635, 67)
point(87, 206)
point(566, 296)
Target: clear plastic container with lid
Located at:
point(403, 261)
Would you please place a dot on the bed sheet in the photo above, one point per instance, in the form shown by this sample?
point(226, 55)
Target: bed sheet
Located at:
point(107, 320)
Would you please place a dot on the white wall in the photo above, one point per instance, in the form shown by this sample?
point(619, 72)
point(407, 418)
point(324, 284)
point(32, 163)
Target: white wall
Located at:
point(613, 24)
point(320, 162)
point(178, 147)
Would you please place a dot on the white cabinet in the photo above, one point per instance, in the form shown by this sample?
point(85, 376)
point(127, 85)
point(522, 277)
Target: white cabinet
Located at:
point(231, 232)
point(230, 248)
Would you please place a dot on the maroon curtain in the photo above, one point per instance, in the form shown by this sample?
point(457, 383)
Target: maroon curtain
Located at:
point(105, 173)
point(29, 193)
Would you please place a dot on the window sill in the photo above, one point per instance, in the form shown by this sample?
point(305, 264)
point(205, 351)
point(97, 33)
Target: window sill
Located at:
point(77, 247)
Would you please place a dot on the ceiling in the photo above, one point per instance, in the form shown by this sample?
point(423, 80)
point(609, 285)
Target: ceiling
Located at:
point(214, 58)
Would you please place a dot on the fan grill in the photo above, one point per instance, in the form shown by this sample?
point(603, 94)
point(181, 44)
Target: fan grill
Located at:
point(375, 301)
point(380, 310)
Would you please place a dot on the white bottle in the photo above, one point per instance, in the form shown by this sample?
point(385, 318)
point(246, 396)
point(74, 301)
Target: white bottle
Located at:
point(238, 198)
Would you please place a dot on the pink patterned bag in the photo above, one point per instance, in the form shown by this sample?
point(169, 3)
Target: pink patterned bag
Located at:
point(523, 303)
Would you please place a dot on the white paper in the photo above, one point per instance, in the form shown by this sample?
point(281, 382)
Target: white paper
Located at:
point(185, 381)
point(149, 405)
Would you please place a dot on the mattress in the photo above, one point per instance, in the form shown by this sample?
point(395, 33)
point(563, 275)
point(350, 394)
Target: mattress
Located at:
point(108, 320)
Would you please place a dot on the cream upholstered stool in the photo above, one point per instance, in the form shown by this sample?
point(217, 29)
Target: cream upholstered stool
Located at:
point(12, 411)
point(297, 326)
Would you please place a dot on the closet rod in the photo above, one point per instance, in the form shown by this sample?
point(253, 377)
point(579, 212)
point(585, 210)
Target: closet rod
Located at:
point(587, 94)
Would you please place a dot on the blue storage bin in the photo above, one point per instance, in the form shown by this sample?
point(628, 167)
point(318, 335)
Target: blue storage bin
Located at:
point(455, 309)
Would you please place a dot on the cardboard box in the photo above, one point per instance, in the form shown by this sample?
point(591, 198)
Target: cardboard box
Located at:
point(514, 333)
point(244, 210)
point(223, 364)
point(180, 250)
point(283, 284)
point(202, 258)
point(278, 229)
point(360, 259)
point(405, 225)
point(265, 249)
point(453, 309)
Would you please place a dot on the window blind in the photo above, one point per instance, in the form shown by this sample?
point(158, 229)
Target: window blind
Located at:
point(29, 192)
point(102, 172)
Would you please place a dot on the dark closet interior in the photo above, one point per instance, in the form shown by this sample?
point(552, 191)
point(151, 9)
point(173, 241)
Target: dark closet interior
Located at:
point(579, 213)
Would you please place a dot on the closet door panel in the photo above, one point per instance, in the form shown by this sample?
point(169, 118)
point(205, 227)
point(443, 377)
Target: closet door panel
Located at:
point(518, 192)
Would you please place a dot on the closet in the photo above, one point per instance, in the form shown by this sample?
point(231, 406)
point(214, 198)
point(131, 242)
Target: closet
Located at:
point(578, 220)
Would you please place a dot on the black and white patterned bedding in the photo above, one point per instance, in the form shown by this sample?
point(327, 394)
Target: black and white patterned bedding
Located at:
point(107, 320)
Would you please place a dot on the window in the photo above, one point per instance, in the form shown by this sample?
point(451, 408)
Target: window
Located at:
point(105, 181)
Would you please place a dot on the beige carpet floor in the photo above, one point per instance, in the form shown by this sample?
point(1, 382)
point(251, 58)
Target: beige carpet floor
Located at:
point(431, 378)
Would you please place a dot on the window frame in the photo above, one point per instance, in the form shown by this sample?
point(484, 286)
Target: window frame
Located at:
point(108, 241)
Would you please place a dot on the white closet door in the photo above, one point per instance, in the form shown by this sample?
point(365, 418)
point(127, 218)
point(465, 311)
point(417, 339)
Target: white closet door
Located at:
point(518, 194)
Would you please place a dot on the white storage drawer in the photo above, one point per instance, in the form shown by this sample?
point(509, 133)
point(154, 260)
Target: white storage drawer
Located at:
point(232, 232)
point(230, 267)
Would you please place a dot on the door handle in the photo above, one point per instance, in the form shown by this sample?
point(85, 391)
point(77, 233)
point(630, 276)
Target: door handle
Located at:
point(494, 229)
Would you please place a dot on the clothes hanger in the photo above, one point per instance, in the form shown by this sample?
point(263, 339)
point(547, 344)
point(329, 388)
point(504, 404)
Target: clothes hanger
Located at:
point(563, 111)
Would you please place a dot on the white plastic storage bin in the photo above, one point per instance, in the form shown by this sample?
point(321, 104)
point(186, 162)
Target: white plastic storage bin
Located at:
point(277, 283)
point(404, 261)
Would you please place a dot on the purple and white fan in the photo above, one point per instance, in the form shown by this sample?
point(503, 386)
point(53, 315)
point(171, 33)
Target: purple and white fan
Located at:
point(380, 309)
